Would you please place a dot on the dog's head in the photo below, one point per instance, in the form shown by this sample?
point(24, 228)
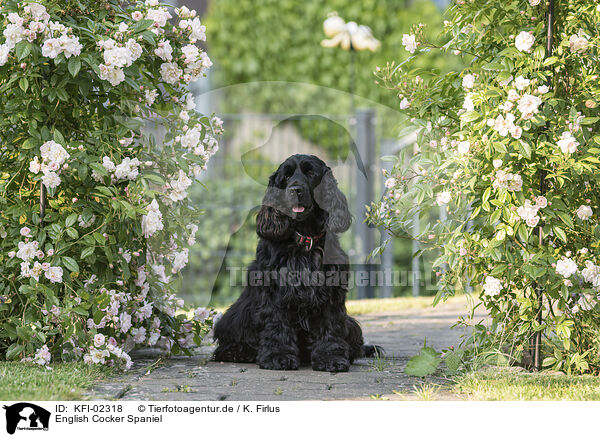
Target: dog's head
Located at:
point(302, 192)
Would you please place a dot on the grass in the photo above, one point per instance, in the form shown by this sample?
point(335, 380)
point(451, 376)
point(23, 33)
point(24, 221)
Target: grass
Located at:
point(68, 381)
point(426, 392)
point(357, 307)
point(372, 306)
point(504, 385)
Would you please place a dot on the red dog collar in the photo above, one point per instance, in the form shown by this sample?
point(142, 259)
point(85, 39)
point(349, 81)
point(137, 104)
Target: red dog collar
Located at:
point(307, 242)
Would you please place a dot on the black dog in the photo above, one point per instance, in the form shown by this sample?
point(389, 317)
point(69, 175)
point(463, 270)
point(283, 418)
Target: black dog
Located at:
point(293, 309)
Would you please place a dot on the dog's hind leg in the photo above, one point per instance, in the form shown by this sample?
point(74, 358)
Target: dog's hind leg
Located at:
point(235, 352)
point(235, 334)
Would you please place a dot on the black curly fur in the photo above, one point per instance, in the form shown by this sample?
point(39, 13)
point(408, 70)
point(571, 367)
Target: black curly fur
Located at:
point(293, 310)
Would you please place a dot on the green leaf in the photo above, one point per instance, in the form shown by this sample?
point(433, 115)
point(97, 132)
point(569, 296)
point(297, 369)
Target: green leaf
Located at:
point(58, 137)
point(70, 263)
point(426, 363)
point(22, 49)
point(452, 360)
point(560, 233)
point(87, 252)
point(470, 116)
point(14, 350)
point(525, 149)
point(24, 84)
point(142, 25)
point(70, 221)
point(74, 66)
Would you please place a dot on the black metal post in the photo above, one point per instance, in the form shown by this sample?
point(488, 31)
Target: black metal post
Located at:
point(43, 202)
point(365, 142)
point(537, 355)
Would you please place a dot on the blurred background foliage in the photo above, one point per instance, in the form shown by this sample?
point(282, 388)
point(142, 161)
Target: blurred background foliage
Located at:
point(281, 42)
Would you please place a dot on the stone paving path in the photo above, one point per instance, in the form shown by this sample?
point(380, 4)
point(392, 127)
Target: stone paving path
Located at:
point(198, 379)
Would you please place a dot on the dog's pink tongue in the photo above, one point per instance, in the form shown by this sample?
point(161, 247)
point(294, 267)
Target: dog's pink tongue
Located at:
point(298, 209)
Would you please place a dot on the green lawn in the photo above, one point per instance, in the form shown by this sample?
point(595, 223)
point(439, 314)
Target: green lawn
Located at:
point(368, 306)
point(506, 385)
point(31, 382)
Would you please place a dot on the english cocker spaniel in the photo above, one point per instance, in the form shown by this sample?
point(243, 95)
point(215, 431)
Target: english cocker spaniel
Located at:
point(292, 310)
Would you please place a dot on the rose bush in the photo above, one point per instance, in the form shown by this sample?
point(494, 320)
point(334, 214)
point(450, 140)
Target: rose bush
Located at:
point(85, 88)
point(510, 146)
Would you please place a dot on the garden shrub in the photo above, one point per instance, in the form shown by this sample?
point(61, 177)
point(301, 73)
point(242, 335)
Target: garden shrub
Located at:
point(91, 275)
point(510, 146)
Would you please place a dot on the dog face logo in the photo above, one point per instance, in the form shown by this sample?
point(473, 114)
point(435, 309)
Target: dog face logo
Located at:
point(26, 416)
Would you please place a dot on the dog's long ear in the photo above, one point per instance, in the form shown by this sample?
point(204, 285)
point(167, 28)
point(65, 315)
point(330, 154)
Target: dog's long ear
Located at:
point(271, 223)
point(329, 198)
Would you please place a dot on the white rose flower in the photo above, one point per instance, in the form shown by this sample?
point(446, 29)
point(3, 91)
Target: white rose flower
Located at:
point(53, 152)
point(541, 202)
point(201, 314)
point(390, 183)
point(14, 33)
point(568, 144)
point(125, 322)
point(27, 251)
point(180, 260)
point(164, 51)
point(591, 274)
point(528, 105)
point(534, 2)
point(578, 43)
point(152, 221)
point(468, 81)
point(463, 147)
point(543, 89)
point(51, 179)
point(404, 104)
point(99, 340)
point(159, 16)
point(112, 74)
point(191, 138)
point(409, 42)
point(170, 72)
point(42, 356)
point(182, 182)
point(198, 30)
point(524, 42)
point(492, 286)
point(443, 198)
point(584, 212)
point(135, 49)
point(521, 83)
point(566, 267)
point(468, 104)
point(139, 334)
point(527, 211)
point(4, 52)
point(118, 57)
point(54, 274)
point(35, 166)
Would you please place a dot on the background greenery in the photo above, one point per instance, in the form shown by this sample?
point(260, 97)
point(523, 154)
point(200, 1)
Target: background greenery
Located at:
point(282, 43)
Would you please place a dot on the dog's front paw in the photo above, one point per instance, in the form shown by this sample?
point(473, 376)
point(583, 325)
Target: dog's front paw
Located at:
point(331, 364)
point(280, 362)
